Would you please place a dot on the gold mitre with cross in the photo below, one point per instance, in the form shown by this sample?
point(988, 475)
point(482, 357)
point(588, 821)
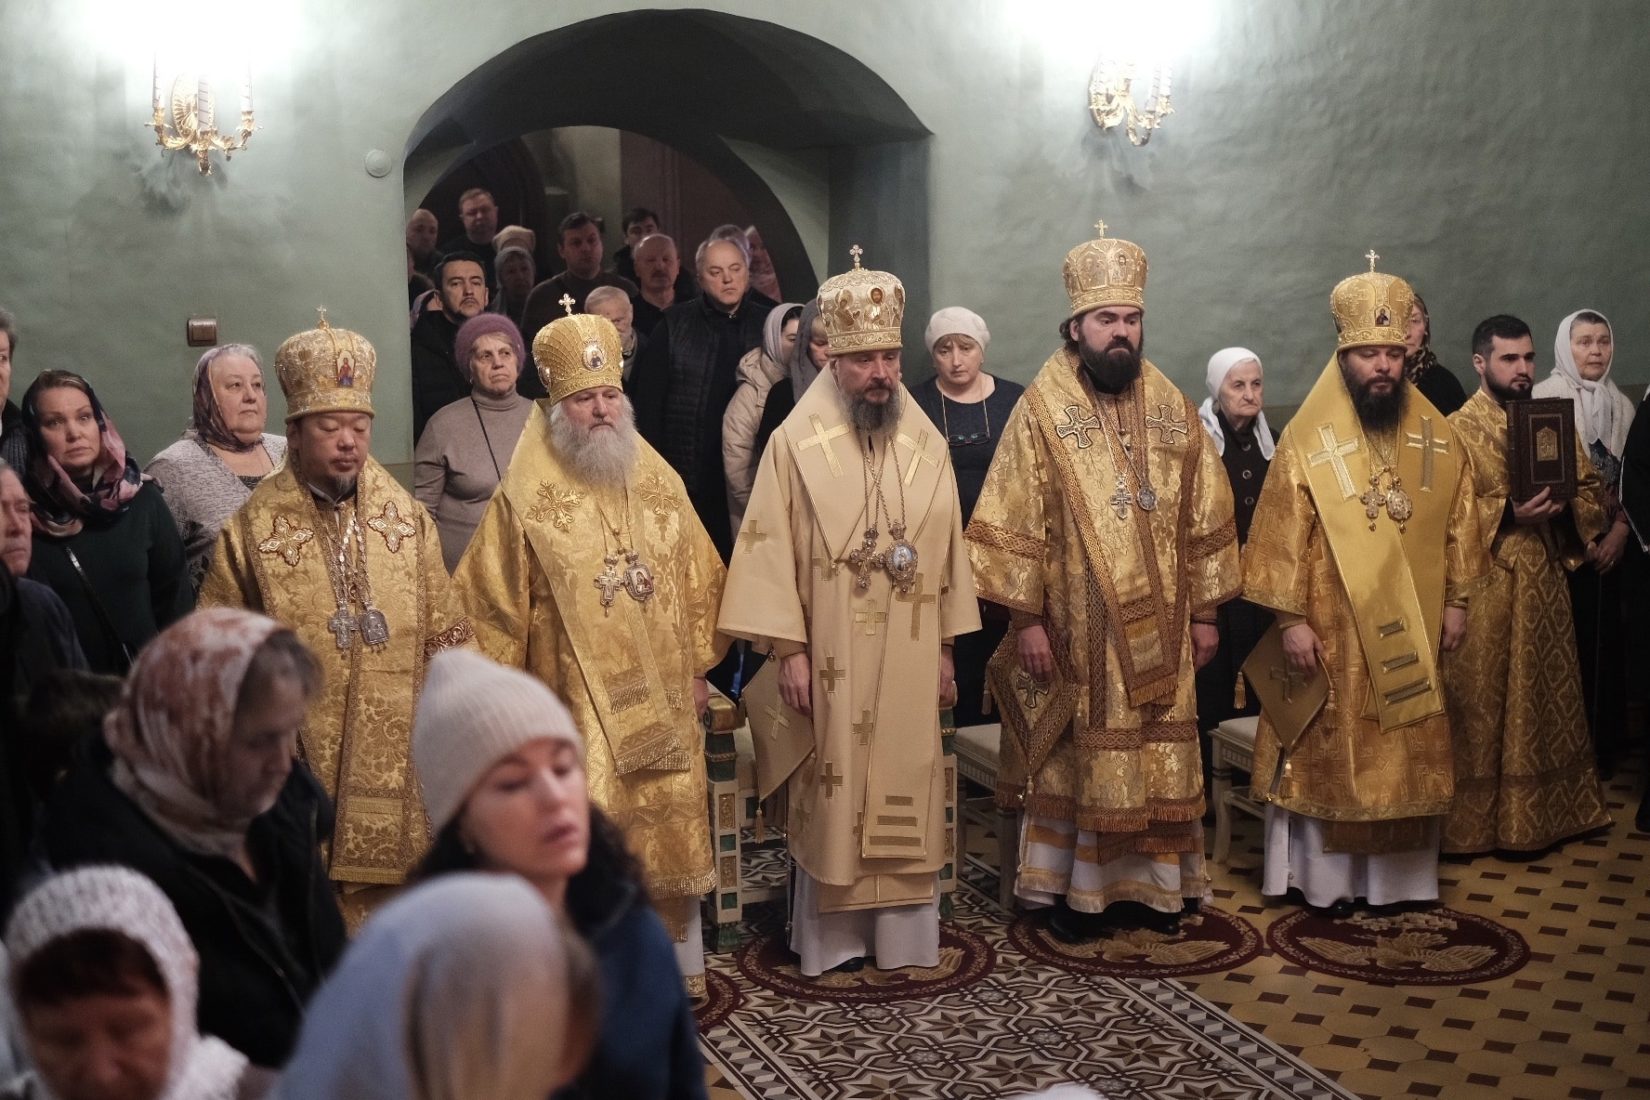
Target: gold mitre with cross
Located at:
point(578, 352)
point(1105, 272)
point(1371, 308)
point(326, 369)
point(862, 310)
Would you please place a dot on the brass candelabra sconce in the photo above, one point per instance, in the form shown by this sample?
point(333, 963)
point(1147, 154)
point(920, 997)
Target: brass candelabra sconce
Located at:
point(186, 118)
point(1131, 94)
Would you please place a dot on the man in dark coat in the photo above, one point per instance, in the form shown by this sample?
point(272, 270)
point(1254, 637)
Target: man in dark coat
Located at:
point(687, 374)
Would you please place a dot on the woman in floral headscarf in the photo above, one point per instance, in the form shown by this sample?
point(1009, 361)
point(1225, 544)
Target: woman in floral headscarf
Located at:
point(103, 538)
point(195, 785)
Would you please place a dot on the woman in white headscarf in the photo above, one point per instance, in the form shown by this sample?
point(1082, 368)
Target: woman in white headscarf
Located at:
point(1583, 352)
point(461, 989)
point(759, 369)
point(1233, 416)
point(103, 979)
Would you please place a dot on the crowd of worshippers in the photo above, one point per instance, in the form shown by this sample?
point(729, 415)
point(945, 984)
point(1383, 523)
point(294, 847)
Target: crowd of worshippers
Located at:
point(259, 697)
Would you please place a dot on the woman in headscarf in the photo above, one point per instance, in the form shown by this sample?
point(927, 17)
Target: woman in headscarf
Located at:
point(1583, 352)
point(809, 356)
point(970, 406)
point(502, 768)
point(103, 981)
point(104, 540)
point(1422, 367)
point(464, 989)
point(467, 445)
point(759, 369)
point(194, 784)
point(1233, 416)
point(208, 474)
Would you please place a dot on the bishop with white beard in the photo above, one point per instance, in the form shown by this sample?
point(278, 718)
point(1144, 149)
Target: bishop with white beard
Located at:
point(591, 571)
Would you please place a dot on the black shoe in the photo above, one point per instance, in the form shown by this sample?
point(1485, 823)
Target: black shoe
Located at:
point(1641, 821)
point(1338, 911)
point(1072, 927)
point(1134, 915)
point(852, 966)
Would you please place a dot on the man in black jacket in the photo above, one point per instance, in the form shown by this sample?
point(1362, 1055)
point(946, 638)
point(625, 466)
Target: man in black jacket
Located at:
point(687, 374)
point(437, 379)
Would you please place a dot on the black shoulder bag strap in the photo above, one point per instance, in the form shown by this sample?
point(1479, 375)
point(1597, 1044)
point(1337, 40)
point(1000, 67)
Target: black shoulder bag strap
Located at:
point(103, 616)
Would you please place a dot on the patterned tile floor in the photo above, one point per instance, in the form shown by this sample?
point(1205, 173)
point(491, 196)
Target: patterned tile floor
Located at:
point(1574, 1023)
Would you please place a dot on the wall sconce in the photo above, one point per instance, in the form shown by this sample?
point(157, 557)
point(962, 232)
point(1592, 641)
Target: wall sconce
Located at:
point(1113, 102)
point(187, 118)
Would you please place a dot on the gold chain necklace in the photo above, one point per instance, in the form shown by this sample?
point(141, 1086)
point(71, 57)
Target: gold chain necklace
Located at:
point(349, 577)
point(899, 561)
point(1399, 507)
point(1146, 498)
point(636, 578)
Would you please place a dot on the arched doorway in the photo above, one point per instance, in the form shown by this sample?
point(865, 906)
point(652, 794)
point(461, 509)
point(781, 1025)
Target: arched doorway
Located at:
point(818, 148)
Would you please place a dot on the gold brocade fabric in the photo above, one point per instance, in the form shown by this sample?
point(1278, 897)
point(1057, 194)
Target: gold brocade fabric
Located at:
point(1525, 775)
point(866, 809)
point(1345, 767)
point(270, 557)
point(1393, 579)
point(626, 672)
point(1111, 744)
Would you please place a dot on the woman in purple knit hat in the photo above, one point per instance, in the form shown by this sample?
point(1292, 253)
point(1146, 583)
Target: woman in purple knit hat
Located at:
point(466, 446)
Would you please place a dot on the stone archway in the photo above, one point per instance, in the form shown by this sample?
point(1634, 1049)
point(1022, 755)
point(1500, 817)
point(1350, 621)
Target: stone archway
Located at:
point(829, 134)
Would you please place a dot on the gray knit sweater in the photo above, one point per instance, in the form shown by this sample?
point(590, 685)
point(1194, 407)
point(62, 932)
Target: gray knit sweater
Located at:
point(453, 466)
point(203, 493)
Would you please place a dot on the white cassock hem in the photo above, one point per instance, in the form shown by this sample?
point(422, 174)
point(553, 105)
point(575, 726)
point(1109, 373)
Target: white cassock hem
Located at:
point(893, 936)
point(1295, 858)
point(690, 953)
point(1049, 872)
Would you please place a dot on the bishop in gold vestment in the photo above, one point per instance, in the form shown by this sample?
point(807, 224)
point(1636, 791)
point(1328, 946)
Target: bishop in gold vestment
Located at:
point(1365, 528)
point(1106, 528)
point(601, 581)
point(333, 547)
point(1525, 777)
point(850, 569)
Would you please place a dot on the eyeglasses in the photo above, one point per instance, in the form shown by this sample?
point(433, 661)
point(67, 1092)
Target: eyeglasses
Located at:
point(972, 439)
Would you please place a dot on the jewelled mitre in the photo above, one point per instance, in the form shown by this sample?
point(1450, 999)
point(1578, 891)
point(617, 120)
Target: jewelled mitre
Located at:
point(578, 352)
point(1105, 272)
point(862, 309)
point(1371, 308)
point(326, 369)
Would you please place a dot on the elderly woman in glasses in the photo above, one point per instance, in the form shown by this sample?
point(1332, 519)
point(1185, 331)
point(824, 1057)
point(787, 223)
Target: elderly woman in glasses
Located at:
point(971, 408)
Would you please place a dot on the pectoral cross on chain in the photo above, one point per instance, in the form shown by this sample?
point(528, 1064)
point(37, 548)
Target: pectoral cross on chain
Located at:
point(1121, 500)
point(609, 581)
point(343, 627)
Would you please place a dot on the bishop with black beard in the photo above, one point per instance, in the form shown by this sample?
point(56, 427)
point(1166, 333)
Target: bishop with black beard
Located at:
point(1105, 529)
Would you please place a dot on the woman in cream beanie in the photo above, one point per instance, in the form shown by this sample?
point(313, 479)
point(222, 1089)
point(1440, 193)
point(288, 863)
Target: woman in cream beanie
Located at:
point(501, 764)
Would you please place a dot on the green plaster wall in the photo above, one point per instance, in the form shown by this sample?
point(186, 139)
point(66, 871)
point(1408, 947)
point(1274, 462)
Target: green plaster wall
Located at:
point(1493, 151)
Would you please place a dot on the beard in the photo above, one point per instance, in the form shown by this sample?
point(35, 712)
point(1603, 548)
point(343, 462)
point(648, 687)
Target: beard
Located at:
point(1516, 390)
point(1113, 368)
point(601, 456)
point(869, 416)
point(1377, 411)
